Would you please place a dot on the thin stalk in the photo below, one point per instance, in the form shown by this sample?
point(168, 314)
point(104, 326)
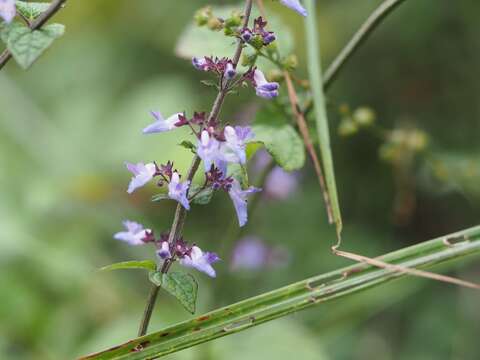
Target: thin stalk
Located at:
point(35, 25)
point(298, 296)
point(362, 34)
point(180, 212)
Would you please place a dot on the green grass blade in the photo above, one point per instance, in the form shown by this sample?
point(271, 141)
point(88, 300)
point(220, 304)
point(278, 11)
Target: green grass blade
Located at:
point(315, 75)
point(298, 296)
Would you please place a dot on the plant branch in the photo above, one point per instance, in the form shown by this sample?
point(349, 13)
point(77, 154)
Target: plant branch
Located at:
point(315, 291)
point(180, 212)
point(362, 34)
point(35, 25)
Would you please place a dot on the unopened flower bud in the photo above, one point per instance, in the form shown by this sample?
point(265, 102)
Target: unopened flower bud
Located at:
point(290, 62)
point(203, 15)
point(364, 116)
point(347, 127)
point(215, 24)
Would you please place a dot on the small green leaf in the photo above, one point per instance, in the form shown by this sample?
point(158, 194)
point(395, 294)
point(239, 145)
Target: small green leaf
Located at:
point(203, 197)
point(31, 10)
point(189, 145)
point(209, 83)
point(160, 197)
point(146, 264)
point(25, 45)
point(283, 143)
point(181, 285)
point(252, 148)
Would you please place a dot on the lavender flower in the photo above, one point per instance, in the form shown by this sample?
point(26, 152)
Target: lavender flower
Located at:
point(295, 5)
point(135, 234)
point(161, 124)
point(279, 184)
point(235, 143)
point(164, 251)
point(265, 89)
point(239, 198)
point(178, 190)
point(208, 149)
point(142, 175)
point(200, 261)
point(230, 71)
point(7, 10)
point(200, 63)
point(246, 35)
point(251, 253)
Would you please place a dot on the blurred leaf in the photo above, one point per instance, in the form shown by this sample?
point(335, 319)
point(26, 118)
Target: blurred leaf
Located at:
point(25, 45)
point(181, 285)
point(144, 264)
point(315, 75)
point(252, 148)
point(31, 10)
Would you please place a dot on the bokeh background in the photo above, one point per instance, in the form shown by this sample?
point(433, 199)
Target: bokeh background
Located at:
point(67, 125)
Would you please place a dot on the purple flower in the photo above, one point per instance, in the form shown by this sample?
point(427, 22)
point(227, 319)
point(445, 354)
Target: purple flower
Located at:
point(239, 198)
point(161, 124)
point(251, 253)
point(295, 5)
point(178, 190)
point(200, 261)
point(268, 38)
point(280, 184)
point(230, 71)
point(265, 89)
point(200, 63)
point(135, 234)
point(208, 149)
point(164, 250)
point(7, 10)
point(235, 143)
point(142, 175)
point(246, 35)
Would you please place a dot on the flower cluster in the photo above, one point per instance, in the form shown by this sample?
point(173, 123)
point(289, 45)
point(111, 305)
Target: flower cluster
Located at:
point(7, 10)
point(258, 36)
point(189, 255)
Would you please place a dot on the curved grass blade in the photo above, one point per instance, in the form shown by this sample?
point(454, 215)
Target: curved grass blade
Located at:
point(315, 75)
point(298, 296)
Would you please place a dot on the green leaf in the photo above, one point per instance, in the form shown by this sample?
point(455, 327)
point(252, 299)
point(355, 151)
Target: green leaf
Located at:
point(283, 143)
point(331, 287)
point(252, 148)
point(183, 286)
point(160, 197)
point(189, 145)
point(25, 45)
point(203, 197)
point(315, 75)
point(31, 10)
point(145, 264)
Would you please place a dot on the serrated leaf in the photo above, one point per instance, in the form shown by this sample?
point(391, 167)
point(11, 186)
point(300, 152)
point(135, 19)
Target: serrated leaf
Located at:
point(180, 285)
point(25, 45)
point(160, 197)
point(126, 265)
point(203, 197)
point(283, 143)
point(31, 10)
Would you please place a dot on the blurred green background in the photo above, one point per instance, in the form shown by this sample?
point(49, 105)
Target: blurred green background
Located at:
point(67, 125)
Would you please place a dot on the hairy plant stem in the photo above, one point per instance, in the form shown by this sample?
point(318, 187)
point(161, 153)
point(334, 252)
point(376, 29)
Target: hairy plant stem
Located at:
point(35, 25)
point(180, 212)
